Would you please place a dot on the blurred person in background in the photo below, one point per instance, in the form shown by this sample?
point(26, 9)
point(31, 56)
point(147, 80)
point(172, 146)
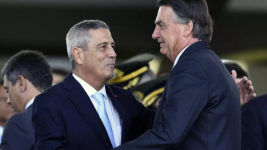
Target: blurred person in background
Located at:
point(83, 112)
point(254, 124)
point(58, 75)
point(200, 107)
point(133, 72)
point(150, 93)
point(26, 75)
point(6, 110)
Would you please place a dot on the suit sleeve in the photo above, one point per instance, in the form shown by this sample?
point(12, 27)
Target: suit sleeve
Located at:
point(16, 135)
point(186, 97)
point(48, 125)
point(252, 131)
point(143, 120)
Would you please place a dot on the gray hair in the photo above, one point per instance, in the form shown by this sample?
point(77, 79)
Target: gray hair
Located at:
point(179, 20)
point(194, 10)
point(78, 36)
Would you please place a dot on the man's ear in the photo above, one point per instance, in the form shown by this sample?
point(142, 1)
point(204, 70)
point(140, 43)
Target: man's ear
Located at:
point(21, 83)
point(188, 29)
point(78, 55)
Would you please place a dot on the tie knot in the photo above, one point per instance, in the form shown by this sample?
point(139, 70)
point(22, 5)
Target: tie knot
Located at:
point(99, 97)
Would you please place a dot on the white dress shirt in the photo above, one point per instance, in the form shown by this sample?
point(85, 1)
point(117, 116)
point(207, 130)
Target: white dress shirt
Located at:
point(179, 55)
point(1, 133)
point(113, 115)
point(29, 103)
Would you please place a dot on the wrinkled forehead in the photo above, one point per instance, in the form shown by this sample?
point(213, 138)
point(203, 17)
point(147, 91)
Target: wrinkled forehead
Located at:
point(100, 35)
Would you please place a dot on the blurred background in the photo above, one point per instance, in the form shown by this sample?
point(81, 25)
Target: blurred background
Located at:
point(239, 30)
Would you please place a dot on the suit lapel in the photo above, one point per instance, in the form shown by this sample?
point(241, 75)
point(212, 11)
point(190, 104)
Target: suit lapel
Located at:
point(82, 102)
point(125, 120)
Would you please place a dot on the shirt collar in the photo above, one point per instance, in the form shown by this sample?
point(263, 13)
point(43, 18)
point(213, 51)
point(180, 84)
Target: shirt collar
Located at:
point(29, 103)
point(88, 88)
point(179, 55)
point(1, 131)
point(103, 91)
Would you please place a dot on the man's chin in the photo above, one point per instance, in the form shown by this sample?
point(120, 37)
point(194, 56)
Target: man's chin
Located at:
point(163, 51)
point(110, 76)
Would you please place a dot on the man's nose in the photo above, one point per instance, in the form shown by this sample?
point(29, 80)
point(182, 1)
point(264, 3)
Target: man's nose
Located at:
point(8, 101)
point(155, 34)
point(112, 53)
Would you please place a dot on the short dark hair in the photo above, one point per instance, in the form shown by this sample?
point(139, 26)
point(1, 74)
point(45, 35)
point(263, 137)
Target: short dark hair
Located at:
point(78, 35)
point(30, 64)
point(193, 10)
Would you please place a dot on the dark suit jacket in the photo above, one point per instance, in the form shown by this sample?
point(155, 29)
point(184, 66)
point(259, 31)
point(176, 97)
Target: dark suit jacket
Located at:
point(64, 118)
point(254, 124)
point(200, 107)
point(18, 132)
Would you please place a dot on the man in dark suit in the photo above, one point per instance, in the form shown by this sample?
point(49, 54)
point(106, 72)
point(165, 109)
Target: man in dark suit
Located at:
point(26, 75)
point(83, 112)
point(254, 124)
point(200, 107)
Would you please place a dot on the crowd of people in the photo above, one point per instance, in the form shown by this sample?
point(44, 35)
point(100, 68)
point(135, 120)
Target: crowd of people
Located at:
point(202, 103)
